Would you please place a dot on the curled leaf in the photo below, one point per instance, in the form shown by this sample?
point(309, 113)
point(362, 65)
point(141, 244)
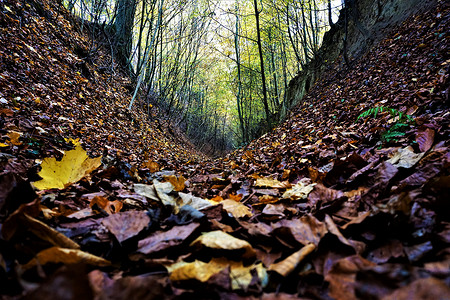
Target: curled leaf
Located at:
point(286, 266)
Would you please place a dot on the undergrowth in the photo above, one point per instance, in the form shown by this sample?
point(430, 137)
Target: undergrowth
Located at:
point(397, 129)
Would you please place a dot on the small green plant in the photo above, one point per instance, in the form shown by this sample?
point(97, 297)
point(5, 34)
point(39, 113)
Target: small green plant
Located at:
point(398, 129)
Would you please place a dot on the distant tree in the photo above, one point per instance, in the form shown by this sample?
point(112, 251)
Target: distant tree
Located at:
point(123, 30)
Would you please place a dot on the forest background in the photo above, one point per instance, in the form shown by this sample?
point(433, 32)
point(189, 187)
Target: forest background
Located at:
point(218, 69)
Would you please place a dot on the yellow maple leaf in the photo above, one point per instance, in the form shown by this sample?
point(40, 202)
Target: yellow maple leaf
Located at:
point(74, 165)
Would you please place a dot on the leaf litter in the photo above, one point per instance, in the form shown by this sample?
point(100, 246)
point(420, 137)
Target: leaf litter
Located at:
point(337, 212)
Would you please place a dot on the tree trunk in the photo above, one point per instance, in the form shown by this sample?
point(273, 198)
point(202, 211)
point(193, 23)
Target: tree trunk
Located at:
point(238, 62)
point(123, 25)
point(261, 58)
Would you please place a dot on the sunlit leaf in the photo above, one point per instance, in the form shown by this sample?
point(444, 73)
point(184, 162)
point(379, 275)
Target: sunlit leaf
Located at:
point(300, 190)
point(273, 183)
point(241, 276)
point(59, 174)
point(195, 202)
point(405, 158)
point(237, 209)
point(221, 240)
point(177, 182)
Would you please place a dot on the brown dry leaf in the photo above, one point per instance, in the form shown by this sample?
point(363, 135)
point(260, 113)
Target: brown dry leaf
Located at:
point(299, 191)
point(162, 240)
point(74, 165)
point(267, 199)
point(323, 194)
point(237, 209)
point(177, 182)
point(14, 137)
point(332, 228)
point(272, 183)
point(151, 165)
point(217, 199)
point(305, 230)
point(422, 289)
point(110, 207)
point(221, 240)
point(425, 139)
point(21, 222)
point(47, 233)
point(234, 197)
point(125, 225)
point(66, 256)
point(342, 277)
point(286, 266)
point(356, 220)
point(13, 223)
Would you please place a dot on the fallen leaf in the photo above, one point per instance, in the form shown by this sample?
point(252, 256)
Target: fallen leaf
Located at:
point(425, 139)
point(332, 228)
point(74, 165)
point(177, 182)
point(23, 222)
point(217, 199)
point(198, 270)
point(236, 198)
point(237, 209)
point(241, 277)
point(420, 289)
point(152, 166)
point(110, 207)
point(146, 190)
point(14, 138)
point(195, 202)
point(299, 191)
point(66, 256)
point(342, 277)
point(221, 240)
point(163, 189)
point(125, 225)
point(273, 183)
point(305, 230)
point(405, 158)
point(286, 266)
point(162, 240)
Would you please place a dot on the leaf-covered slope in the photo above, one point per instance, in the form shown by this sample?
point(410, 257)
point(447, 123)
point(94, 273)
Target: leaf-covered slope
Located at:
point(56, 83)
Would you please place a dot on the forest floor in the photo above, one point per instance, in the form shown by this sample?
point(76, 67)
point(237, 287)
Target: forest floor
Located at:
point(325, 206)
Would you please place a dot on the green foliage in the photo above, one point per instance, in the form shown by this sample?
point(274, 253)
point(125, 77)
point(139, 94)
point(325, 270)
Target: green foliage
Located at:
point(392, 111)
point(398, 129)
